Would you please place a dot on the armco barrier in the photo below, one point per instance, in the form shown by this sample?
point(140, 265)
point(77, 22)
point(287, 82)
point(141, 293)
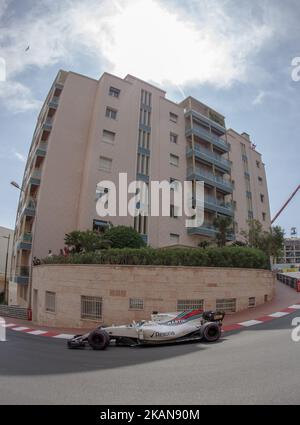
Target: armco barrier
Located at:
point(292, 281)
point(13, 311)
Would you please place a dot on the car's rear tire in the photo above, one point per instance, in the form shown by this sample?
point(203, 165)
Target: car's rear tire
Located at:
point(98, 339)
point(211, 332)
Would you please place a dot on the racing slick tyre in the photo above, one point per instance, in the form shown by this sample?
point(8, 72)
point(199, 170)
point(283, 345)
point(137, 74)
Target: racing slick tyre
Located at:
point(211, 332)
point(98, 339)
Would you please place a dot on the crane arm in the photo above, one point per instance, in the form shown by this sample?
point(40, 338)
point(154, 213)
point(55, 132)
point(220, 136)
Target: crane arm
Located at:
point(285, 204)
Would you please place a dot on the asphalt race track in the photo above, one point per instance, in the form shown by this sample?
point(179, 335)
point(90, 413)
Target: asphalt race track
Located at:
point(258, 365)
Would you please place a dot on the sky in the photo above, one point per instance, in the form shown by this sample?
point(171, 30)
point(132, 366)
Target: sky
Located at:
point(234, 55)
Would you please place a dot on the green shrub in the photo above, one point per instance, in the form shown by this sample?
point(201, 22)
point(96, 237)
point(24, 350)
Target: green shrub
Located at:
point(229, 256)
point(124, 237)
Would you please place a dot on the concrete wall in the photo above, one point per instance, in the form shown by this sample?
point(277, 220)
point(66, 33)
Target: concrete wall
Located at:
point(159, 287)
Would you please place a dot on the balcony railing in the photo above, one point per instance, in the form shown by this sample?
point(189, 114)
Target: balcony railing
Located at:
point(219, 206)
point(48, 123)
point(206, 135)
point(210, 178)
point(25, 242)
point(220, 127)
point(53, 103)
point(22, 274)
point(210, 156)
point(208, 229)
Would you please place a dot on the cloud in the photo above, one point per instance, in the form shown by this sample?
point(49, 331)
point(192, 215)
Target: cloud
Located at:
point(259, 98)
point(20, 156)
point(154, 40)
point(17, 97)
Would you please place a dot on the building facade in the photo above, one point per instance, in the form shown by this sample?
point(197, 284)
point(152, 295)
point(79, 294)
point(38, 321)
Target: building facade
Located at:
point(291, 251)
point(250, 193)
point(91, 130)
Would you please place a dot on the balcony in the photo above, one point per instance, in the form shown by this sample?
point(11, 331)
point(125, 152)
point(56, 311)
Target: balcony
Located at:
point(35, 177)
point(30, 207)
point(208, 230)
point(47, 125)
point(213, 204)
point(207, 120)
point(41, 149)
point(209, 156)
point(211, 179)
point(53, 103)
point(22, 275)
point(209, 137)
point(25, 242)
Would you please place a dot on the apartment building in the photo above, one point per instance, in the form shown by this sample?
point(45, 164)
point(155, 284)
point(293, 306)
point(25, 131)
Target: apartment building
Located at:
point(91, 130)
point(248, 176)
point(291, 251)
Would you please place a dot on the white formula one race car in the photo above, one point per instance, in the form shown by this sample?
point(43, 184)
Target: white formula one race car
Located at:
point(161, 329)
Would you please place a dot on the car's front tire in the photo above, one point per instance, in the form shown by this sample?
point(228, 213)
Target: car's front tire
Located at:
point(211, 332)
point(98, 339)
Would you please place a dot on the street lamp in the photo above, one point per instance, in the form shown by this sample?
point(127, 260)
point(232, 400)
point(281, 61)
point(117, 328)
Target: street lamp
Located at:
point(15, 184)
point(6, 264)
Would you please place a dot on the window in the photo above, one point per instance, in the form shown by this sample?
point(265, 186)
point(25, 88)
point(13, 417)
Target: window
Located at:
point(108, 136)
point(111, 113)
point(264, 216)
point(174, 238)
point(100, 225)
point(173, 117)
point(173, 211)
point(146, 98)
point(260, 180)
point(136, 304)
point(105, 163)
point(91, 307)
point(258, 164)
point(251, 302)
point(174, 184)
point(266, 298)
point(262, 197)
point(173, 138)
point(250, 215)
point(114, 92)
point(183, 305)
point(144, 139)
point(228, 305)
point(50, 301)
point(174, 160)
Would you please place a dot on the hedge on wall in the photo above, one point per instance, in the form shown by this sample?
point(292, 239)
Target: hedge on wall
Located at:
point(240, 257)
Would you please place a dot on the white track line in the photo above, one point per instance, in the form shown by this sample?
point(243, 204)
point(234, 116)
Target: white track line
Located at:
point(63, 336)
point(279, 314)
point(250, 323)
point(20, 328)
point(37, 332)
point(295, 306)
point(8, 325)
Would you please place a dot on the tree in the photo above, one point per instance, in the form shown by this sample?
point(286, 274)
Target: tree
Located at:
point(223, 226)
point(254, 235)
point(204, 244)
point(270, 242)
point(124, 237)
point(86, 241)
